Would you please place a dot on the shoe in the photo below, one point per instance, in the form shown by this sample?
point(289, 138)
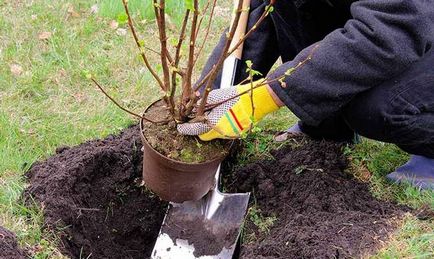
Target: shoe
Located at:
point(292, 131)
point(418, 171)
point(296, 130)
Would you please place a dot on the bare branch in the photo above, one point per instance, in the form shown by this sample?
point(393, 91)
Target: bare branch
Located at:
point(186, 88)
point(175, 64)
point(254, 27)
point(221, 60)
point(161, 23)
point(142, 52)
point(206, 31)
point(252, 103)
point(120, 106)
point(203, 12)
point(238, 44)
point(266, 81)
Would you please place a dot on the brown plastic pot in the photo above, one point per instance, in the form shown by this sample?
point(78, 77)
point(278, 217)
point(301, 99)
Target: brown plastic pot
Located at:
point(173, 180)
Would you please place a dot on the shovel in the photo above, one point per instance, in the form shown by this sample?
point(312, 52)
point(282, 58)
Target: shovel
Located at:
point(209, 227)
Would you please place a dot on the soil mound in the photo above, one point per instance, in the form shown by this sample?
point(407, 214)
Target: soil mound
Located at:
point(8, 246)
point(91, 192)
point(322, 212)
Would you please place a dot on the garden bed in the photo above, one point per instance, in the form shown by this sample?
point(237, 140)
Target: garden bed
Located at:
point(92, 195)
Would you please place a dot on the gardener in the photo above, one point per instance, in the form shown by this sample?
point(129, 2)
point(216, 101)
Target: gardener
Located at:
point(371, 72)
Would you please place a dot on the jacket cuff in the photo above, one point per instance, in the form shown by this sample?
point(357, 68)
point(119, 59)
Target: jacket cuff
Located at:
point(292, 105)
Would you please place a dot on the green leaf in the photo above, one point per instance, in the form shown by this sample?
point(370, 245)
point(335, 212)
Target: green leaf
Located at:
point(189, 5)
point(122, 18)
point(289, 71)
point(300, 169)
point(86, 74)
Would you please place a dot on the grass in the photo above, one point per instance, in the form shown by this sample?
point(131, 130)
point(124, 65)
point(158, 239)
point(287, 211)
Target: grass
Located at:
point(114, 9)
point(50, 103)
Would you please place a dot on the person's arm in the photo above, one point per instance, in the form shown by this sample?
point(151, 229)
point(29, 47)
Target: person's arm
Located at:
point(261, 47)
point(383, 38)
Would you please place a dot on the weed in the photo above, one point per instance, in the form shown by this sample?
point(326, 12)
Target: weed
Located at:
point(262, 223)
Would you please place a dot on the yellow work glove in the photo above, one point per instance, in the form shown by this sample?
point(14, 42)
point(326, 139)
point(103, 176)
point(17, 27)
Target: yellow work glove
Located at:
point(232, 118)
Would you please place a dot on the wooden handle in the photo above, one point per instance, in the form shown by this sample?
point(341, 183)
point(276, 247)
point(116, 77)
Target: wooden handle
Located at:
point(241, 28)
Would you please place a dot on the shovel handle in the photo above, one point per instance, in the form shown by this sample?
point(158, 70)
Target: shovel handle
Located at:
point(241, 27)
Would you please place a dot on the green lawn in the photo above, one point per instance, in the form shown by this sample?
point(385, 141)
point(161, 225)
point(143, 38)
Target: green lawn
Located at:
point(46, 101)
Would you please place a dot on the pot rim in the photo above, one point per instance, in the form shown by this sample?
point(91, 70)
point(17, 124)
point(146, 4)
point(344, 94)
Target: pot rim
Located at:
point(143, 137)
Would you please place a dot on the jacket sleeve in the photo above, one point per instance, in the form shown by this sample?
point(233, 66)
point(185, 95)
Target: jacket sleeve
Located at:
point(383, 38)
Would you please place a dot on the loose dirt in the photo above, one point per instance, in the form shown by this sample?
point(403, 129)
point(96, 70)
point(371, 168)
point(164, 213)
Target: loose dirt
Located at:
point(208, 237)
point(91, 194)
point(9, 247)
point(167, 141)
point(320, 211)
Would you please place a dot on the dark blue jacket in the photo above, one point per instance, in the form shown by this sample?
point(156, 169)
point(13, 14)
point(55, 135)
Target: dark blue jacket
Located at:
point(380, 39)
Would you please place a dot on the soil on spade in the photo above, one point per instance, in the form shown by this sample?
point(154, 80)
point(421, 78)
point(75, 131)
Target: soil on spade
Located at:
point(92, 195)
point(167, 141)
point(9, 248)
point(321, 211)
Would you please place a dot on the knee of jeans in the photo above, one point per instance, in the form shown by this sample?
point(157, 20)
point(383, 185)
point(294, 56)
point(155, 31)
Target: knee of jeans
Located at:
point(406, 117)
point(410, 113)
point(410, 121)
point(366, 116)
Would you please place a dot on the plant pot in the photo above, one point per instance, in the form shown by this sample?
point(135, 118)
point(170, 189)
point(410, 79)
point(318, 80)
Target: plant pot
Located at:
point(173, 180)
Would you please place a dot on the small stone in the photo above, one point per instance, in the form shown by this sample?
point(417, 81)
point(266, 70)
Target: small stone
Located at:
point(114, 25)
point(94, 9)
point(121, 32)
point(16, 69)
point(45, 35)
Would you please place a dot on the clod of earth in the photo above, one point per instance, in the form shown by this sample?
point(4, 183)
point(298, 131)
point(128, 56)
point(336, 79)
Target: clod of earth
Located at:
point(317, 209)
point(9, 246)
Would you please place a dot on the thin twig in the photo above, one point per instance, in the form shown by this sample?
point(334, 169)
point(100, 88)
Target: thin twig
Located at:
point(206, 31)
point(253, 29)
point(221, 60)
point(121, 107)
point(142, 52)
point(175, 64)
point(186, 87)
point(161, 24)
point(113, 100)
point(266, 81)
point(204, 10)
point(252, 103)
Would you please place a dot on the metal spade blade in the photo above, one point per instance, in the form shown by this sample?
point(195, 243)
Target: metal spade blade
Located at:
point(207, 228)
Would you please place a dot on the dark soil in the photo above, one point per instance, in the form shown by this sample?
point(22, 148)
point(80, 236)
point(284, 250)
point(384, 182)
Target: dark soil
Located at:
point(167, 141)
point(208, 237)
point(8, 246)
point(91, 194)
point(322, 212)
